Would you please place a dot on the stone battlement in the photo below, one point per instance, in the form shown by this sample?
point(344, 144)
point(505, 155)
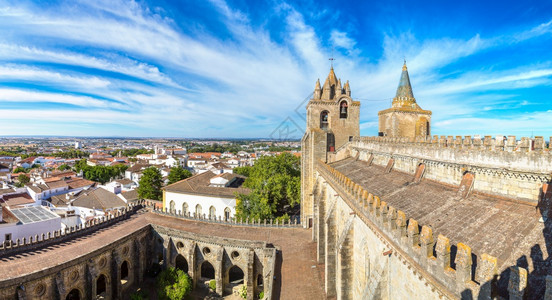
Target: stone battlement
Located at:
point(58, 236)
point(432, 257)
point(232, 221)
point(502, 168)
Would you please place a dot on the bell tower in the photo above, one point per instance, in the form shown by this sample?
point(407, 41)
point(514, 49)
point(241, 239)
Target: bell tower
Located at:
point(332, 121)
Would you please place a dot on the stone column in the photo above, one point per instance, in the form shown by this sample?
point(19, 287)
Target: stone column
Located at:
point(250, 276)
point(219, 267)
point(330, 268)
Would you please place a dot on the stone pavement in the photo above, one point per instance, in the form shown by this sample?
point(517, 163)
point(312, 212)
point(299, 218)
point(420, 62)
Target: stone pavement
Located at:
point(300, 277)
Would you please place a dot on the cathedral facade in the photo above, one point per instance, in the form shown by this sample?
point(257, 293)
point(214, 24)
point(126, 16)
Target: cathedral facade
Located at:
point(407, 215)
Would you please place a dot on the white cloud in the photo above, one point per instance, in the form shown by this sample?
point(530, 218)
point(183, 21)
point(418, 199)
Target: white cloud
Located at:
point(248, 80)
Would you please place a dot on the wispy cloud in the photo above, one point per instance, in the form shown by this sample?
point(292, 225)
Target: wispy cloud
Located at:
point(134, 65)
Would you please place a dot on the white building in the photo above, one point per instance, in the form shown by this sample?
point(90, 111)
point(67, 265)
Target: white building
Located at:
point(206, 194)
point(25, 222)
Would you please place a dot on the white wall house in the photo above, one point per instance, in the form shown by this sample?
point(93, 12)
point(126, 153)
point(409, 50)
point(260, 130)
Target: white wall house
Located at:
point(206, 194)
point(223, 208)
point(28, 221)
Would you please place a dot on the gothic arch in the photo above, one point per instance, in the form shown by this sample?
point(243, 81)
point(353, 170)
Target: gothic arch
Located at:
point(125, 272)
point(212, 212)
point(74, 294)
point(181, 263)
point(171, 206)
point(102, 286)
point(198, 210)
point(227, 213)
point(324, 119)
point(185, 208)
point(343, 109)
point(206, 270)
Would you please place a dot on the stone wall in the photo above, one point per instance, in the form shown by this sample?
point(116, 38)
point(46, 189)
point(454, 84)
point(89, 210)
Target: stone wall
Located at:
point(136, 252)
point(82, 273)
point(374, 251)
point(507, 169)
point(255, 259)
point(398, 123)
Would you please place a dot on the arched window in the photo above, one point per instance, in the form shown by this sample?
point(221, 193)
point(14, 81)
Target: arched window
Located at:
point(198, 210)
point(343, 109)
point(171, 206)
point(207, 270)
point(212, 212)
point(185, 209)
point(101, 286)
point(73, 295)
point(324, 121)
point(181, 263)
point(227, 212)
point(235, 275)
point(330, 142)
point(124, 272)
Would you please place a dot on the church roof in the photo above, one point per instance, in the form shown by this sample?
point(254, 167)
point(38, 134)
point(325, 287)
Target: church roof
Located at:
point(404, 96)
point(331, 80)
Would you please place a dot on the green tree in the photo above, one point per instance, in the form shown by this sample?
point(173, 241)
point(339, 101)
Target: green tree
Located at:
point(63, 167)
point(245, 170)
point(19, 170)
point(177, 174)
point(23, 179)
point(275, 188)
point(150, 184)
point(101, 174)
point(173, 284)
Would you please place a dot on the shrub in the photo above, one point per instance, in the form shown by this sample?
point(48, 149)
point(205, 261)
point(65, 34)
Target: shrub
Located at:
point(139, 295)
point(213, 285)
point(173, 284)
point(243, 292)
point(261, 295)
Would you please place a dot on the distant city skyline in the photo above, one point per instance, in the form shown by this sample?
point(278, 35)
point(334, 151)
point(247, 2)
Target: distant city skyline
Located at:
point(242, 69)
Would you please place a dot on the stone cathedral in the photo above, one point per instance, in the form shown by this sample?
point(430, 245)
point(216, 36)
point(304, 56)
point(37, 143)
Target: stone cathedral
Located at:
point(407, 215)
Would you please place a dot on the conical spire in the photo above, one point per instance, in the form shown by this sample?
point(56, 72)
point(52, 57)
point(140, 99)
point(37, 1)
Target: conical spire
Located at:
point(338, 88)
point(317, 90)
point(330, 86)
point(404, 96)
point(347, 89)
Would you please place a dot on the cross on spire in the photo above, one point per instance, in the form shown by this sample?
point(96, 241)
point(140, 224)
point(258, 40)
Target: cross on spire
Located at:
point(331, 59)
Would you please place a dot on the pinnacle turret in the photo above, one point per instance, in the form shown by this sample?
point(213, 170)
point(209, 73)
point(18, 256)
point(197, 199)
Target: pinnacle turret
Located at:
point(404, 96)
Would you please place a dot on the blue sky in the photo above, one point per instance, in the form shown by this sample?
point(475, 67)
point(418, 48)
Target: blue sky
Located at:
point(243, 68)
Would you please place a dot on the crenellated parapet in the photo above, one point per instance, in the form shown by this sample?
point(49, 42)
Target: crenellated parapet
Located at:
point(69, 233)
point(537, 145)
point(451, 269)
point(502, 166)
point(231, 221)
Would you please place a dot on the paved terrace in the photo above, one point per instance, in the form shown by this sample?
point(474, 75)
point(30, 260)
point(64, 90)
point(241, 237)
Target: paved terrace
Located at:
point(506, 229)
point(300, 277)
